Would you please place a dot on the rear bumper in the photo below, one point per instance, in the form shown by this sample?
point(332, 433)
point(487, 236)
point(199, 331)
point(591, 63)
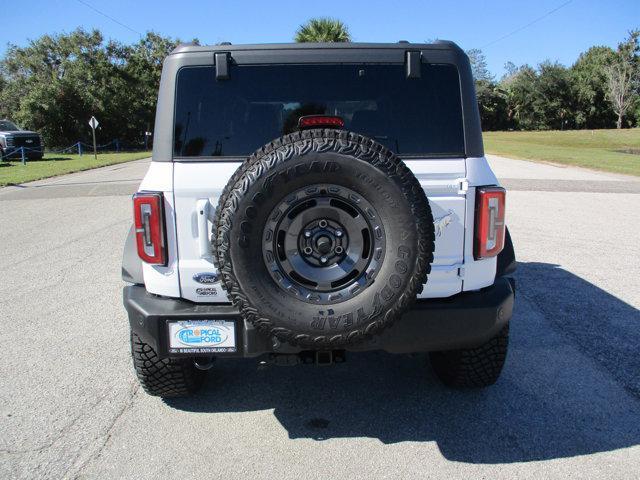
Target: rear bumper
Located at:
point(464, 320)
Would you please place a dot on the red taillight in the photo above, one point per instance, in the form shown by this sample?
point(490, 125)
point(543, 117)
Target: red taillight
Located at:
point(320, 121)
point(489, 231)
point(148, 214)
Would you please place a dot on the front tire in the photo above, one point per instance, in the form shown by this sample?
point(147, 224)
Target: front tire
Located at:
point(472, 367)
point(164, 377)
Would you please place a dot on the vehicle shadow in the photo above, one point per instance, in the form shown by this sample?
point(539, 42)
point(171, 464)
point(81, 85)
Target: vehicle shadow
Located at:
point(559, 395)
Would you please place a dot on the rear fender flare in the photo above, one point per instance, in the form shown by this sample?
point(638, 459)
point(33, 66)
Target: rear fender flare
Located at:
point(506, 258)
point(131, 263)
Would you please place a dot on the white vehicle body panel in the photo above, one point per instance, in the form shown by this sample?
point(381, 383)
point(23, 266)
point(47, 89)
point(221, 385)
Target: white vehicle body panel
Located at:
point(477, 274)
point(192, 189)
point(161, 280)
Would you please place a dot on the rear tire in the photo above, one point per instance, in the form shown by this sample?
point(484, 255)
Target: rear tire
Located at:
point(472, 367)
point(164, 377)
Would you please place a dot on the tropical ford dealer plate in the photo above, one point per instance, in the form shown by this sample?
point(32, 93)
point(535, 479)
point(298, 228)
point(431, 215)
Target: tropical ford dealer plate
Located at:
point(202, 336)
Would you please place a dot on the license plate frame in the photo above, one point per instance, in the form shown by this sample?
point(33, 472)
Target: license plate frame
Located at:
point(202, 336)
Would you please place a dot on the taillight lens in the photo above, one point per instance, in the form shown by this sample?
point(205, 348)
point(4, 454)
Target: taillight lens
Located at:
point(148, 214)
point(320, 121)
point(489, 231)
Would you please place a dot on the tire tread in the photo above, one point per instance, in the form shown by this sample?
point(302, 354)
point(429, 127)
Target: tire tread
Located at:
point(473, 367)
point(300, 143)
point(163, 377)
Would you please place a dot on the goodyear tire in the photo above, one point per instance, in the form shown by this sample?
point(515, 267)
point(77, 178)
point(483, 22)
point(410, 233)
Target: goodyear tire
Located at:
point(164, 377)
point(323, 238)
point(472, 367)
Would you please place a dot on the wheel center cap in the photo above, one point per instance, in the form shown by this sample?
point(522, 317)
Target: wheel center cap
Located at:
point(323, 244)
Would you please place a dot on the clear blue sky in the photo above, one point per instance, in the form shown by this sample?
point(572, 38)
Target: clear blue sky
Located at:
point(560, 36)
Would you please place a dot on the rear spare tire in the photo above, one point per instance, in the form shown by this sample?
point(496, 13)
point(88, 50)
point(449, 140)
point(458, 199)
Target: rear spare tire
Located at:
point(323, 237)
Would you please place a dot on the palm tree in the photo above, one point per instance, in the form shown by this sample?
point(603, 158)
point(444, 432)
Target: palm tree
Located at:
point(323, 30)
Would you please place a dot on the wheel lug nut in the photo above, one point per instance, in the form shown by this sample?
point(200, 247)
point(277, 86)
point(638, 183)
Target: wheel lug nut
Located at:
point(323, 259)
point(322, 223)
point(307, 233)
point(338, 233)
point(307, 250)
point(338, 249)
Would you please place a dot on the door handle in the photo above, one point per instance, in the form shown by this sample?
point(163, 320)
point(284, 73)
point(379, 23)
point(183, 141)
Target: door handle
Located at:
point(205, 213)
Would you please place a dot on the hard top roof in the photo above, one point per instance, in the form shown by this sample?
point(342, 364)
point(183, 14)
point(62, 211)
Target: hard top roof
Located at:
point(222, 56)
point(402, 45)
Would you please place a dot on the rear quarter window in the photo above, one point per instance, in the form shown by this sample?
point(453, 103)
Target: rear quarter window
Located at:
point(258, 103)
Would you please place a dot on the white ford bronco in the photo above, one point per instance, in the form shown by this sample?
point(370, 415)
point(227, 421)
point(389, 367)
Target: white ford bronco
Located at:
point(309, 200)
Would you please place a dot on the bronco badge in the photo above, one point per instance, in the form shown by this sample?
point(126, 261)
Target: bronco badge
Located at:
point(442, 222)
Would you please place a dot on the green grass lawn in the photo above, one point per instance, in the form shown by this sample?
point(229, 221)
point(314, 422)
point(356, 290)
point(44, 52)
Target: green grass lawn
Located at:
point(597, 149)
point(13, 172)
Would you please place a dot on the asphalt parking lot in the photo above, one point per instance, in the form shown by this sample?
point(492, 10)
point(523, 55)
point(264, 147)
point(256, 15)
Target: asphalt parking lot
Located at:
point(567, 405)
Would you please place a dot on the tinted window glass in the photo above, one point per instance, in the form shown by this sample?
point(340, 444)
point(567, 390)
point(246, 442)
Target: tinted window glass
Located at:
point(416, 116)
point(6, 126)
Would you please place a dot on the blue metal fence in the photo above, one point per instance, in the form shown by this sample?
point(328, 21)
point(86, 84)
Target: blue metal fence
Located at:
point(79, 147)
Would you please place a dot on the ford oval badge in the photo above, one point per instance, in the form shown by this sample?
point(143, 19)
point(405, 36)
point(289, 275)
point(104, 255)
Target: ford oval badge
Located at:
point(206, 278)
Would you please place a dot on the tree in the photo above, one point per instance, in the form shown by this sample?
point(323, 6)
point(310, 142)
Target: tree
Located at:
point(56, 83)
point(141, 71)
point(520, 88)
point(623, 76)
point(323, 30)
point(510, 69)
point(554, 104)
point(53, 84)
point(541, 98)
point(493, 105)
point(590, 85)
point(479, 65)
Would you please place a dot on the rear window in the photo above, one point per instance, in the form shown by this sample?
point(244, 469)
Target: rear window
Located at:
point(410, 116)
